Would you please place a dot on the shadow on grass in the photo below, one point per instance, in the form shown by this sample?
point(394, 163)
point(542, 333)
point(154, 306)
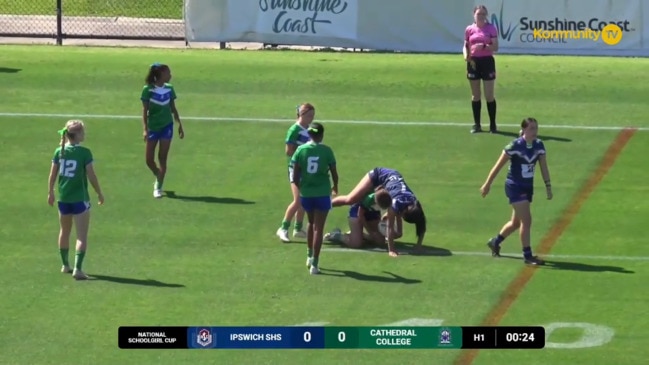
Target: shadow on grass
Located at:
point(207, 199)
point(391, 278)
point(9, 70)
point(576, 266)
point(130, 281)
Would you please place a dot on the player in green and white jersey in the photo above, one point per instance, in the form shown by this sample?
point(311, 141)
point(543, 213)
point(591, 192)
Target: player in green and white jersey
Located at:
point(72, 164)
point(364, 219)
point(312, 163)
point(158, 114)
point(296, 136)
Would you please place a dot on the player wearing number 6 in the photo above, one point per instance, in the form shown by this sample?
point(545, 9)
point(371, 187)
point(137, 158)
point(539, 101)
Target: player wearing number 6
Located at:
point(312, 162)
point(72, 163)
point(522, 153)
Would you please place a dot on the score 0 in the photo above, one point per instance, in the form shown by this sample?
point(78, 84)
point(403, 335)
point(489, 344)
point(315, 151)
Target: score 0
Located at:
point(341, 337)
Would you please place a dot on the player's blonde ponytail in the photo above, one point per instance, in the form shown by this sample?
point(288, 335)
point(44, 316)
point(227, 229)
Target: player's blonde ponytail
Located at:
point(68, 133)
point(63, 132)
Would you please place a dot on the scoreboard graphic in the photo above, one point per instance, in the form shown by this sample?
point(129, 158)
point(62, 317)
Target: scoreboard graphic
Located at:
point(497, 337)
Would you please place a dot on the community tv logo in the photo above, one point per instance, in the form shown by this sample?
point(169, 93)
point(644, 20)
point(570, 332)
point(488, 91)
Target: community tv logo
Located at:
point(560, 30)
point(611, 34)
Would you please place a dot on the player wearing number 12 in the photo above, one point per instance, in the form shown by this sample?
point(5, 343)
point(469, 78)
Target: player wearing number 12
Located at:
point(312, 162)
point(523, 154)
point(72, 164)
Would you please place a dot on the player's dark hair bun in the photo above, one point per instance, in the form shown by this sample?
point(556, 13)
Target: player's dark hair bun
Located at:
point(316, 129)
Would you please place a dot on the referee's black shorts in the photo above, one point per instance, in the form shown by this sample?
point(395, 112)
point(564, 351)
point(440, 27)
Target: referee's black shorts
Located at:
point(485, 69)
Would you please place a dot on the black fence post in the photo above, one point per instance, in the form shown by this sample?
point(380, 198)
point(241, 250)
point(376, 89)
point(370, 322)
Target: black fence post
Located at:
point(59, 23)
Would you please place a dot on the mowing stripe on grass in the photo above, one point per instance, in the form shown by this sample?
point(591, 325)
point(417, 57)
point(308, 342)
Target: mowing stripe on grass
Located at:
point(272, 120)
point(442, 253)
point(516, 286)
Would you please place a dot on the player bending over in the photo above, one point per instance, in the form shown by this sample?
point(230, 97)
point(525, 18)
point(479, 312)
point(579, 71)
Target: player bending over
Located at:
point(404, 202)
point(364, 219)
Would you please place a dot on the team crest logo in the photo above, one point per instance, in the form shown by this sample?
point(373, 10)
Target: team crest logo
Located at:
point(445, 337)
point(204, 337)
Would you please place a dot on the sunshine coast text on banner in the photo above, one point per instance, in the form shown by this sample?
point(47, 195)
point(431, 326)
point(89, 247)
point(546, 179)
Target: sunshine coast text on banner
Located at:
point(381, 337)
point(580, 27)
point(569, 26)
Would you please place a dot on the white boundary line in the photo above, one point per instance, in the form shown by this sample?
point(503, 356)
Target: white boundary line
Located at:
point(271, 120)
point(476, 253)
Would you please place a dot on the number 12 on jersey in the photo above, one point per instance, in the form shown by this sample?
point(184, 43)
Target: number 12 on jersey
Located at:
point(67, 167)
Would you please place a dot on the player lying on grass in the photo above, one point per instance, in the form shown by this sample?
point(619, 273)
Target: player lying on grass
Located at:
point(522, 154)
point(364, 219)
point(404, 202)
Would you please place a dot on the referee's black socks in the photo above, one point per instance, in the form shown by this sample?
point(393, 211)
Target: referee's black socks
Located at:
point(477, 107)
point(491, 108)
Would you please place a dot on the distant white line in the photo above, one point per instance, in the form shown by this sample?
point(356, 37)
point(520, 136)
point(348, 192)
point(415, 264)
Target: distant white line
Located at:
point(272, 120)
point(470, 253)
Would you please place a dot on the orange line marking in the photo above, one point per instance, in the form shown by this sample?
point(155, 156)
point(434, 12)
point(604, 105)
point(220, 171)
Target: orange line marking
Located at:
point(550, 239)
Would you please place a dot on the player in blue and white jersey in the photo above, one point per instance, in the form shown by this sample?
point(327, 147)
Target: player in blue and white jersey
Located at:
point(404, 202)
point(522, 153)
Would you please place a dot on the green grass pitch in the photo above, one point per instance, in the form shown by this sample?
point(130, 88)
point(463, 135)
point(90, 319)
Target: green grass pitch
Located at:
point(208, 255)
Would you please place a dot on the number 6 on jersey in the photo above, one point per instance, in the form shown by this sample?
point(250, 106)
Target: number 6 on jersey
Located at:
point(312, 164)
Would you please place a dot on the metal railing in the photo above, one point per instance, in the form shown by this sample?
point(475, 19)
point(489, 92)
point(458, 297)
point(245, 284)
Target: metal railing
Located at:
point(91, 19)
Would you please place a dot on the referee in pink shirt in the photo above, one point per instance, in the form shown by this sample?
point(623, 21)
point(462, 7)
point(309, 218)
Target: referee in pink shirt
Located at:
point(480, 43)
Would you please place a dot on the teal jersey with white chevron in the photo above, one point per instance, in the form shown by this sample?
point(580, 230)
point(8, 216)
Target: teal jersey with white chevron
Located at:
point(159, 98)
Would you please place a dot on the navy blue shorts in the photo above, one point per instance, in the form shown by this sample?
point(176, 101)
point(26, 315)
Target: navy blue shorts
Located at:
point(73, 208)
point(517, 193)
point(370, 215)
point(322, 203)
point(165, 133)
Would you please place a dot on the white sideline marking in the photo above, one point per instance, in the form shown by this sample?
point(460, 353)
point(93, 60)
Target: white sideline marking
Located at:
point(271, 120)
point(311, 324)
point(476, 253)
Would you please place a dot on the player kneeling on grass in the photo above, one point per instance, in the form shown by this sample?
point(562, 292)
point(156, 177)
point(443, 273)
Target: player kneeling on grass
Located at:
point(312, 162)
point(364, 219)
point(404, 203)
point(72, 163)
